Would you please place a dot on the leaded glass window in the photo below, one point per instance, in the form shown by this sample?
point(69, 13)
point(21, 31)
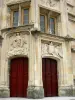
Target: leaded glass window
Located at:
point(52, 25)
point(15, 18)
point(26, 16)
point(42, 23)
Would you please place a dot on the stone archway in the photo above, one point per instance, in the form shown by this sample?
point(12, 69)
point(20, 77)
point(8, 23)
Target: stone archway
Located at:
point(18, 77)
point(49, 76)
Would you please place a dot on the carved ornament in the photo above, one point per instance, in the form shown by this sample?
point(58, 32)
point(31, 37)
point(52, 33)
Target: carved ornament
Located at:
point(52, 49)
point(49, 2)
point(18, 45)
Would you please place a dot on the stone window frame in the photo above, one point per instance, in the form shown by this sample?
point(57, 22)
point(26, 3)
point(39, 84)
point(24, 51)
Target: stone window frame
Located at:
point(12, 10)
point(19, 7)
point(46, 18)
point(48, 14)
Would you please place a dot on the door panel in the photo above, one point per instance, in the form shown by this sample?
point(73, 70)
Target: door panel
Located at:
point(13, 76)
point(49, 75)
point(54, 78)
point(25, 75)
point(19, 77)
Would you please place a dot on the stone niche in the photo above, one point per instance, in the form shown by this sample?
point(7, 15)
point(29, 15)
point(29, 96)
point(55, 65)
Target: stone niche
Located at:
point(18, 45)
point(51, 49)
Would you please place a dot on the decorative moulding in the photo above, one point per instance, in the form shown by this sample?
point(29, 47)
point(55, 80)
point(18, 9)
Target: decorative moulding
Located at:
point(50, 3)
point(12, 2)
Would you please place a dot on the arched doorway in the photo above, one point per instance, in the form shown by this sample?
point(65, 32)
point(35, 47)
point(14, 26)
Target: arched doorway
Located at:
point(49, 76)
point(19, 77)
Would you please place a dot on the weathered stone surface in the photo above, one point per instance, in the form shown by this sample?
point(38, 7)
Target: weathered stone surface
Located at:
point(70, 91)
point(4, 93)
point(35, 92)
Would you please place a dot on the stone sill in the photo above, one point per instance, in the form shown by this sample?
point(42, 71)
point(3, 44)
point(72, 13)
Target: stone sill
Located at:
point(73, 20)
point(57, 37)
point(71, 4)
point(18, 28)
point(71, 13)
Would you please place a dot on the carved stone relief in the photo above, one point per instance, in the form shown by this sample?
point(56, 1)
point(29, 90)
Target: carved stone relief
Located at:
point(50, 3)
point(18, 45)
point(52, 49)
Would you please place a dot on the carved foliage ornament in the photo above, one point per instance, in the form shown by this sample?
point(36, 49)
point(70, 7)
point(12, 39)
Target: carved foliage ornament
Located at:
point(18, 42)
point(18, 45)
point(51, 49)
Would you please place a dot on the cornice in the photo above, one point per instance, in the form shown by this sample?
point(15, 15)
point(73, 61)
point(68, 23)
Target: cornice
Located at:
point(10, 3)
point(37, 32)
point(53, 36)
point(17, 29)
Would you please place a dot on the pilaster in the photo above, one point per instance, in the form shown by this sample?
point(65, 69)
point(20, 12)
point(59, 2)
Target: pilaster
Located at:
point(67, 87)
point(36, 90)
point(64, 17)
point(4, 89)
point(35, 13)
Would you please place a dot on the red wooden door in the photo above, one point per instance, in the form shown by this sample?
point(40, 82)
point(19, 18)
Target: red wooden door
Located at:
point(19, 77)
point(49, 75)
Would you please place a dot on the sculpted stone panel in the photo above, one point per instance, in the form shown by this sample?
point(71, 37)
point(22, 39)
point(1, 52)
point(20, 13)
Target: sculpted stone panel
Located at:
point(50, 3)
point(52, 49)
point(18, 44)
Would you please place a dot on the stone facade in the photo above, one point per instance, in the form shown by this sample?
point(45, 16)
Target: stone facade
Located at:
point(28, 40)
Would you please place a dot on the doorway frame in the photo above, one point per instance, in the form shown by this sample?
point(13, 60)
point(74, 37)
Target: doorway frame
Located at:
point(9, 65)
point(58, 70)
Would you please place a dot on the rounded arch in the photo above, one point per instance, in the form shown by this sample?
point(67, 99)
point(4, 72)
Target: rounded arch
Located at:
point(52, 57)
point(16, 56)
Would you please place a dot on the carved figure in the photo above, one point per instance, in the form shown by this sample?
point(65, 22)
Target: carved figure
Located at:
point(51, 49)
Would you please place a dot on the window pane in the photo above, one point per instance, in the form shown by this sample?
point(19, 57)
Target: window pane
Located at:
point(26, 11)
point(52, 26)
point(15, 18)
point(42, 23)
point(26, 16)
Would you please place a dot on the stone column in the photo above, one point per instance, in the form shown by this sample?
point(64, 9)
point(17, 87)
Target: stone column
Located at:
point(4, 17)
point(35, 13)
point(4, 89)
point(36, 90)
point(31, 62)
point(4, 23)
point(64, 17)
